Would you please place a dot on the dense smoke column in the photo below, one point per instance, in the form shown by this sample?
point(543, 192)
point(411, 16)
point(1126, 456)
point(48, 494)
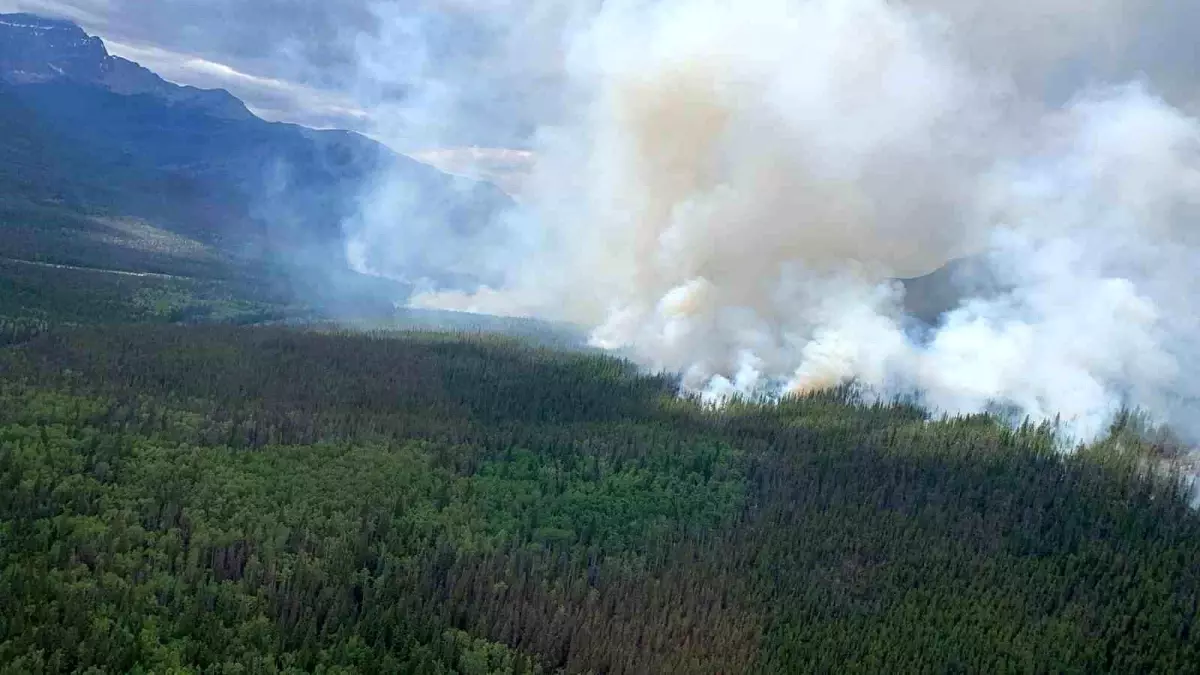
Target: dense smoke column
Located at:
point(734, 190)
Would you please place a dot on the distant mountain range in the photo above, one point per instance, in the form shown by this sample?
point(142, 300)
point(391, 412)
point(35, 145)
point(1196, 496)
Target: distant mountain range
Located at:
point(86, 137)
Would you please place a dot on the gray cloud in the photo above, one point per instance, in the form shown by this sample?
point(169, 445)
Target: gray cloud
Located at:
point(494, 67)
point(271, 98)
point(245, 35)
point(303, 61)
point(239, 46)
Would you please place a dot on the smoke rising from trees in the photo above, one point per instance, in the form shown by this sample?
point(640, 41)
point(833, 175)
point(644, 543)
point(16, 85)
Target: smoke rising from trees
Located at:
point(729, 191)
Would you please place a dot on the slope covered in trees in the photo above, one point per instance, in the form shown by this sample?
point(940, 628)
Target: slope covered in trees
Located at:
point(241, 500)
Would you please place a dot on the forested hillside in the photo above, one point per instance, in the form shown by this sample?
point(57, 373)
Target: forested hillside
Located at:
point(105, 165)
point(225, 499)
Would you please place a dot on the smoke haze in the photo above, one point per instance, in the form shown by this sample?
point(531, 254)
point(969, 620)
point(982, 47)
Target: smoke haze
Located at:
point(728, 190)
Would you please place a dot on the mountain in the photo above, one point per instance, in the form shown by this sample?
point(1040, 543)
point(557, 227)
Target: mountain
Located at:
point(34, 49)
point(928, 298)
point(87, 137)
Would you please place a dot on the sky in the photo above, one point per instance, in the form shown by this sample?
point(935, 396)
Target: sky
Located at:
point(367, 64)
point(323, 64)
point(239, 46)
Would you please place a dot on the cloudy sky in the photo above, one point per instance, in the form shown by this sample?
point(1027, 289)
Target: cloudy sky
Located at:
point(336, 63)
point(232, 44)
point(422, 73)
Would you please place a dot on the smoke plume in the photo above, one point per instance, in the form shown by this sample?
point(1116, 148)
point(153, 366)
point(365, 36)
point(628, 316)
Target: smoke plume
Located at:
point(730, 190)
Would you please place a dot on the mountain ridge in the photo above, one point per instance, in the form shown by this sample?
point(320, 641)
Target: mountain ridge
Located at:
point(35, 49)
point(86, 132)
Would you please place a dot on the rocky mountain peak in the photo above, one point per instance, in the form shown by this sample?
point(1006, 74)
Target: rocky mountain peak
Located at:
point(35, 49)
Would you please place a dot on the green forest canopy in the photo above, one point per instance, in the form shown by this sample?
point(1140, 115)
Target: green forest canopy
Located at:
point(226, 499)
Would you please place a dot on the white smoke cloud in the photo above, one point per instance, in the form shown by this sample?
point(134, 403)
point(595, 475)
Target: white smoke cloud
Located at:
point(735, 187)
